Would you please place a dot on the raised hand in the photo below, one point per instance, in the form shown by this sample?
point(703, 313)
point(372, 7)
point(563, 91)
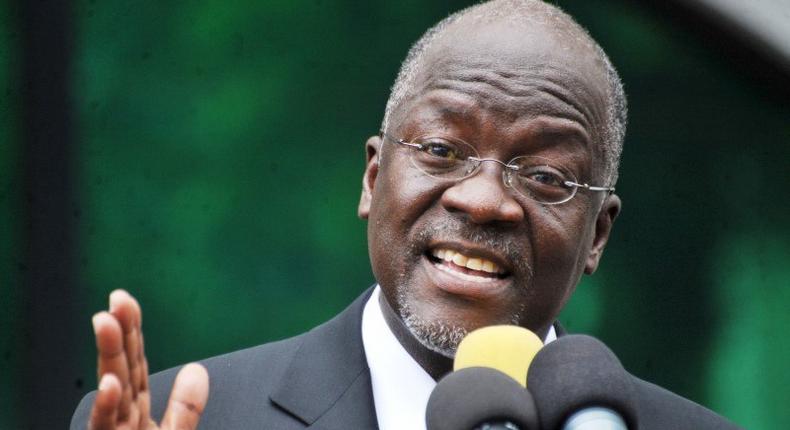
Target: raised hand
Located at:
point(123, 400)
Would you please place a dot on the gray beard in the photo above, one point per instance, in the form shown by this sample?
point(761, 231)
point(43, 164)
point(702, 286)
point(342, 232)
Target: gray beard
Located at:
point(437, 336)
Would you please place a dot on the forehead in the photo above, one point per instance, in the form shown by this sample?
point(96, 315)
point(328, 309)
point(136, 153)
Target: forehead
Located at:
point(511, 75)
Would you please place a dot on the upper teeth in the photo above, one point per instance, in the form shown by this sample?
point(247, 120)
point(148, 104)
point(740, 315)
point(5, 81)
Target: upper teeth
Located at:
point(474, 263)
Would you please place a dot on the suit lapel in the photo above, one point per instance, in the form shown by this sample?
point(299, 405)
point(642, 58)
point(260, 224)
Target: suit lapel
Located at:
point(327, 384)
point(559, 329)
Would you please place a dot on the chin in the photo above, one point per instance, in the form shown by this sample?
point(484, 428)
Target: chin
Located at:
point(438, 336)
point(442, 335)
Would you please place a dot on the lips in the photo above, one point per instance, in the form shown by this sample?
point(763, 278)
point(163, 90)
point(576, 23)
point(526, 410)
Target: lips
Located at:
point(466, 263)
point(461, 280)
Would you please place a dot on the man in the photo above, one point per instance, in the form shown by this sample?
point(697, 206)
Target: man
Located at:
point(488, 193)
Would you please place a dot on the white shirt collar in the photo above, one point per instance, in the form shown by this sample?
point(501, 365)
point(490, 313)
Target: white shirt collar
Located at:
point(401, 387)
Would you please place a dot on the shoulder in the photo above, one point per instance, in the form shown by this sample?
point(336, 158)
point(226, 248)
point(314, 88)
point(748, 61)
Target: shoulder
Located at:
point(660, 409)
point(237, 381)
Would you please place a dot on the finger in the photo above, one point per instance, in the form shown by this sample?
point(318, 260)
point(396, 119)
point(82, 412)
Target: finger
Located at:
point(112, 356)
point(188, 398)
point(127, 311)
point(144, 396)
point(143, 364)
point(144, 403)
point(105, 405)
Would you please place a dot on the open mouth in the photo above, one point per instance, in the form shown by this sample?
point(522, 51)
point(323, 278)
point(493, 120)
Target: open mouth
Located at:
point(463, 264)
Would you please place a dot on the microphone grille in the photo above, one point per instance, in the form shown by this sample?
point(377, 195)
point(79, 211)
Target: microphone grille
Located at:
point(575, 372)
point(507, 348)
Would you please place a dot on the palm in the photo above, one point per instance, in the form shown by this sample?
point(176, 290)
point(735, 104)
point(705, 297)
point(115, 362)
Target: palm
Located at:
point(123, 400)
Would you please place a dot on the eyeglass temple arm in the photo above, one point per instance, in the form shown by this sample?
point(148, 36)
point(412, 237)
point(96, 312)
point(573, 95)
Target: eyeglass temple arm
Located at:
point(589, 187)
point(384, 135)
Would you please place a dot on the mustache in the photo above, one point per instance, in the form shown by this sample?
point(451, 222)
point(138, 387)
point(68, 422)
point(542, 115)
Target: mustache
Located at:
point(488, 236)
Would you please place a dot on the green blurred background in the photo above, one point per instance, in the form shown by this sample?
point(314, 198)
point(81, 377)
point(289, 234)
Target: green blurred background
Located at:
point(218, 151)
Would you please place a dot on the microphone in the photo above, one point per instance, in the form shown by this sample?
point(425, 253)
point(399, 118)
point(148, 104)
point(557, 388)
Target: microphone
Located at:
point(507, 348)
point(487, 389)
point(579, 384)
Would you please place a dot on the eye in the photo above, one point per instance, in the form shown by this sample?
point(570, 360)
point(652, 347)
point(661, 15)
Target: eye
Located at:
point(546, 178)
point(541, 179)
point(442, 156)
point(441, 149)
point(537, 174)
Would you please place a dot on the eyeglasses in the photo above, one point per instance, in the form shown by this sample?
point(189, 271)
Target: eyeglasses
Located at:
point(536, 178)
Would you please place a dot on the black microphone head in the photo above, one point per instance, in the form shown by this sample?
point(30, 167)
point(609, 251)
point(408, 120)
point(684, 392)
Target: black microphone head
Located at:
point(466, 398)
point(575, 372)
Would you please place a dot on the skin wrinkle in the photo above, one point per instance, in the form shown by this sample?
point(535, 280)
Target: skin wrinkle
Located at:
point(511, 86)
point(534, 91)
point(544, 82)
point(440, 98)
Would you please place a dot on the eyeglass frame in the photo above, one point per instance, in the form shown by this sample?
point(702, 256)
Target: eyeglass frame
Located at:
point(509, 167)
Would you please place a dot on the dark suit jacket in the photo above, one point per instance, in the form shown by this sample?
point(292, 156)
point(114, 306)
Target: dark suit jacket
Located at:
point(320, 380)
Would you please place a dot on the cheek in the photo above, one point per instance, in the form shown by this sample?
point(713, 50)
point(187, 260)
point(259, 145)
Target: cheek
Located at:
point(561, 236)
point(401, 196)
point(397, 205)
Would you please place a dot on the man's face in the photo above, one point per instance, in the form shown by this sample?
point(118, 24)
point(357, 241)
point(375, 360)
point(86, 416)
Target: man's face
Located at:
point(536, 97)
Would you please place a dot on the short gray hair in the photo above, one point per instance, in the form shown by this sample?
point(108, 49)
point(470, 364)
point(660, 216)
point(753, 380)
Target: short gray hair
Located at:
point(613, 132)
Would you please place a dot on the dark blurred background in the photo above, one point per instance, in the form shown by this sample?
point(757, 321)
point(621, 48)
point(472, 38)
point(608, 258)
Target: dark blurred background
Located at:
point(207, 157)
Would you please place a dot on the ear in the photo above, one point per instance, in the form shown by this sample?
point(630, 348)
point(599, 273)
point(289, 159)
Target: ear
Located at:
point(603, 226)
point(372, 147)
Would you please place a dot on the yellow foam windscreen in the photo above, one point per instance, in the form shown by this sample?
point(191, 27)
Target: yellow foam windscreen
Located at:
point(507, 348)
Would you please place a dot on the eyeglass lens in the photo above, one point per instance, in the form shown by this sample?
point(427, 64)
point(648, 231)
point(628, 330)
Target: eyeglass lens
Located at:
point(534, 177)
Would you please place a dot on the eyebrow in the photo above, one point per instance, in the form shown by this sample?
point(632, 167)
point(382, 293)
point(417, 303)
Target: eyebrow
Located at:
point(544, 130)
point(457, 109)
point(566, 128)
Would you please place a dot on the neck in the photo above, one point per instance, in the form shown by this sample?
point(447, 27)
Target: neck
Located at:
point(435, 364)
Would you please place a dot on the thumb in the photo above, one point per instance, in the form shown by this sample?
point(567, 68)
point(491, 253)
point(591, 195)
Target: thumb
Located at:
point(188, 398)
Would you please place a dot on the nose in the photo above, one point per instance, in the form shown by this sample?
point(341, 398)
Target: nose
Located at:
point(483, 197)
